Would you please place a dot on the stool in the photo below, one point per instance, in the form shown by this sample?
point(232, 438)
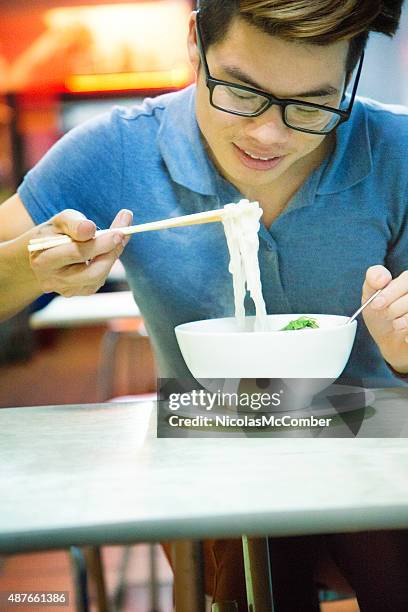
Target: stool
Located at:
point(129, 331)
point(119, 595)
point(87, 567)
point(225, 606)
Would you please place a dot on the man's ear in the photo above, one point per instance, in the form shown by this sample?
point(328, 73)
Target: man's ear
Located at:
point(192, 47)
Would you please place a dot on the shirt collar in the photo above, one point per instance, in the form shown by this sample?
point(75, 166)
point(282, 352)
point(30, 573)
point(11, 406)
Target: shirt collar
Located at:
point(351, 161)
point(182, 147)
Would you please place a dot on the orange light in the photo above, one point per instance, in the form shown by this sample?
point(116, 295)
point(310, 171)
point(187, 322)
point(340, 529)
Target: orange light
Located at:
point(159, 79)
point(106, 47)
point(147, 38)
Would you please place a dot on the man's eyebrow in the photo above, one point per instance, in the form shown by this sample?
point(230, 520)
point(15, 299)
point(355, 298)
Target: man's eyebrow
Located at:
point(320, 92)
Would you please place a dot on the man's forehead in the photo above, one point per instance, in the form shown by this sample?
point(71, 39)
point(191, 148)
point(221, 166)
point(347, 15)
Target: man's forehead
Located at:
point(247, 51)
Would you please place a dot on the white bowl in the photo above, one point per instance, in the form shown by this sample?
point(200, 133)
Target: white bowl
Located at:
point(215, 348)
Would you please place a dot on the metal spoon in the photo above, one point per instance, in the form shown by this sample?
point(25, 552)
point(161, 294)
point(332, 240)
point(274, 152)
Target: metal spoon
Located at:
point(370, 299)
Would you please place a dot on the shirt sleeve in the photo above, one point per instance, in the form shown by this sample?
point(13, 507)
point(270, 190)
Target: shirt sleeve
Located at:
point(82, 171)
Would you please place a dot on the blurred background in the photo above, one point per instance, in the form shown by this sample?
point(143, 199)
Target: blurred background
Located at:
point(62, 62)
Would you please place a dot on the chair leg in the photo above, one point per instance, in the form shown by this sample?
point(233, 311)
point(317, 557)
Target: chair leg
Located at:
point(120, 592)
point(188, 576)
point(95, 570)
point(78, 564)
point(106, 372)
point(153, 584)
point(153, 580)
point(258, 574)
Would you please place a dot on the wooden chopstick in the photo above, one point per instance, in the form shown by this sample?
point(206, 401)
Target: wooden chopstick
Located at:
point(210, 216)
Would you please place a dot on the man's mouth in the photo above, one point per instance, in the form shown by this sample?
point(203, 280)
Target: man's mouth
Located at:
point(256, 161)
point(258, 157)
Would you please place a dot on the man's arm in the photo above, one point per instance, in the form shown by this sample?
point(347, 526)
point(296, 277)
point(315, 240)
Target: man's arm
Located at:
point(14, 219)
point(19, 286)
point(63, 269)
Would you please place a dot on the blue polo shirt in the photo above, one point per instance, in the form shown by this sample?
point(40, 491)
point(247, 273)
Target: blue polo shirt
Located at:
point(350, 214)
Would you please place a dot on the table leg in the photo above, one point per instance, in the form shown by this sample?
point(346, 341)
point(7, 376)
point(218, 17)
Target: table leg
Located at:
point(188, 576)
point(258, 574)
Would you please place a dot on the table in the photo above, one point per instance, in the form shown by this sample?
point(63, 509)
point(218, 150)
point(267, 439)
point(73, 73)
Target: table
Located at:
point(85, 310)
point(96, 474)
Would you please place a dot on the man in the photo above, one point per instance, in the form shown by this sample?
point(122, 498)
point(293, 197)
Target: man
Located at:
point(268, 120)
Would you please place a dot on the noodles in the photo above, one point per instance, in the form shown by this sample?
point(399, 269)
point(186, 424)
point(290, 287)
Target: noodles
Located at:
point(241, 226)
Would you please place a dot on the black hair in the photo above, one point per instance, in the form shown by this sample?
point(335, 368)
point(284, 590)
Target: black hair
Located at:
point(317, 22)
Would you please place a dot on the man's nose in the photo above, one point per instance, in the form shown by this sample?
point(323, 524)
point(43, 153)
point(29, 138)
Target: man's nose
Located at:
point(269, 127)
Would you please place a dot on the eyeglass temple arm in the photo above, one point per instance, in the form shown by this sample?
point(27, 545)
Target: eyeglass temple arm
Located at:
point(356, 82)
point(200, 42)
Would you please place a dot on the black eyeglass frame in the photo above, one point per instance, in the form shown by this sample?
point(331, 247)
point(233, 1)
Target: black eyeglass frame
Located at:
point(211, 83)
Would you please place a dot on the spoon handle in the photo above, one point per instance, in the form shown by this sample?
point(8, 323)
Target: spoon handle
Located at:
point(366, 303)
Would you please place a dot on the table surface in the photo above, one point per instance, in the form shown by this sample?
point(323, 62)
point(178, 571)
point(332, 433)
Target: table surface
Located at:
point(95, 474)
point(85, 310)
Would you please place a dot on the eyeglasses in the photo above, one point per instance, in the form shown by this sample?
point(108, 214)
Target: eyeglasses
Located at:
point(250, 102)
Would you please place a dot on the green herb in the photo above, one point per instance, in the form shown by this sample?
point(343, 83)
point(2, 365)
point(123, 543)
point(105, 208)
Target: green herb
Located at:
point(301, 323)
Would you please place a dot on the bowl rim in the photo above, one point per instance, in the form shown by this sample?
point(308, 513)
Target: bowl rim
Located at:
point(184, 327)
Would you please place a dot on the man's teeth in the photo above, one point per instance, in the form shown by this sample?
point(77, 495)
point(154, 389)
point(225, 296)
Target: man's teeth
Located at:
point(261, 158)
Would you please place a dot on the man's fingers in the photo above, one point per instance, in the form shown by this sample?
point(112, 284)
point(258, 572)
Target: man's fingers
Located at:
point(84, 248)
point(95, 272)
point(394, 297)
point(398, 313)
point(377, 277)
point(79, 252)
point(62, 268)
point(123, 218)
point(74, 224)
point(392, 303)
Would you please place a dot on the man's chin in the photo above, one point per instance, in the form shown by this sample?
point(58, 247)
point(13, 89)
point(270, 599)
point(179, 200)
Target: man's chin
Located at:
point(254, 178)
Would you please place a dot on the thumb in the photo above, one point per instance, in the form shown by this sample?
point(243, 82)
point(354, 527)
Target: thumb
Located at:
point(74, 224)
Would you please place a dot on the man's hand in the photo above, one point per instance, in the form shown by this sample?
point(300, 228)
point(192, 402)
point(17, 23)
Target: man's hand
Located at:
point(387, 316)
point(81, 267)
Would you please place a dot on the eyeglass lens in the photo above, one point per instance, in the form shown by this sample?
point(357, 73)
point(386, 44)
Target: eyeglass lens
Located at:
point(237, 100)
